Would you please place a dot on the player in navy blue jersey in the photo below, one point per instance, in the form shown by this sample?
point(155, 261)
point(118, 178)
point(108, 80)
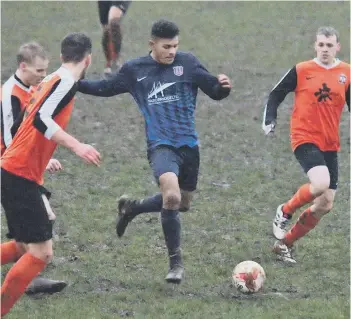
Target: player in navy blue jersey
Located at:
point(165, 84)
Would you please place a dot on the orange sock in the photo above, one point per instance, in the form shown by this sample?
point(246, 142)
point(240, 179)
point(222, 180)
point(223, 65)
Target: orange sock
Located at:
point(9, 252)
point(113, 53)
point(303, 225)
point(17, 280)
point(301, 197)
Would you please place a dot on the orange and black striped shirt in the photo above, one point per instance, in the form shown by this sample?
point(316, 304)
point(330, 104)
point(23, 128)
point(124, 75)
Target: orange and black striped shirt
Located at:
point(14, 98)
point(48, 110)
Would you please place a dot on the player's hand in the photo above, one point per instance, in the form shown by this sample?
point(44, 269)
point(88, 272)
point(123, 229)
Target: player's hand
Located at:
point(53, 166)
point(88, 153)
point(224, 81)
point(268, 129)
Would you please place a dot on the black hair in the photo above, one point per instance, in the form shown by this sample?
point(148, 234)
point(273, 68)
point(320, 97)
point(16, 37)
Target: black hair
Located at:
point(164, 29)
point(75, 46)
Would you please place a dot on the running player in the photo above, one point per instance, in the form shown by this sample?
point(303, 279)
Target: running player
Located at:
point(165, 84)
point(32, 64)
point(23, 165)
point(321, 86)
point(111, 13)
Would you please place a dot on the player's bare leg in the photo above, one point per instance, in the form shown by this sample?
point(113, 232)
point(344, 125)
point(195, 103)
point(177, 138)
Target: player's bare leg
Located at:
point(114, 35)
point(305, 223)
point(105, 46)
point(319, 182)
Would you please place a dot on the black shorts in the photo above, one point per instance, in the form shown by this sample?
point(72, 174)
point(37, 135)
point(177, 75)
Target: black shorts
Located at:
point(25, 209)
point(309, 156)
point(183, 161)
point(104, 9)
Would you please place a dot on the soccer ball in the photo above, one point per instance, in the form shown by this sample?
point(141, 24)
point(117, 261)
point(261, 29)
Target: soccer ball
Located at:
point(248, 276)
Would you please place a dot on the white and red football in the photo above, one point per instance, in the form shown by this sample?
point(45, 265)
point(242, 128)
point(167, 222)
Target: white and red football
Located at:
point(248, 276)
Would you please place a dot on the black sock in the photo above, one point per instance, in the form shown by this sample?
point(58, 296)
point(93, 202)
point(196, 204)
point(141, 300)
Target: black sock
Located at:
point(171, 230)
point(151, 204)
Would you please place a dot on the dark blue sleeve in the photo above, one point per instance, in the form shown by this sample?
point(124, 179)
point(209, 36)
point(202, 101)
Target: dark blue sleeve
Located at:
point(119, 83)
point(207, 82)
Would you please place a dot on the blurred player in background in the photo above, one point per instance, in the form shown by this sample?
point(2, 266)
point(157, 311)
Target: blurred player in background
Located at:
point(165, 84)
point(111, 13)
point(32, 64)
point(321, 86)
point(23, 165)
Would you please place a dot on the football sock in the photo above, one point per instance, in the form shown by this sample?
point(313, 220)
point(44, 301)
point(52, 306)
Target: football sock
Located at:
point(151, 204)
point(17, 280)
point(112, 53)
point(301, 197)
point(116, 38)
point(171, 229)
point(105, 46)
point(9, 252)
point(303, 225)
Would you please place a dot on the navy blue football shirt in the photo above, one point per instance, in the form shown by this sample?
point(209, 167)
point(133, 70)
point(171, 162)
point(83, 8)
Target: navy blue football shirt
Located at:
point(165, 93)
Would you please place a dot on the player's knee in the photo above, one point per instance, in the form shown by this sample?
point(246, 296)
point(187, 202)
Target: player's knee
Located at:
point(43, 251)
point(115, 13)
point(44, 255)
point(320, 187)
point(171, 199)
point(327, 207)
point(323, 208)
point(114, 24)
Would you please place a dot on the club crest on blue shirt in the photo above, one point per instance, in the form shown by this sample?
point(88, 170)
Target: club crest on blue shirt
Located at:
point(178, 70)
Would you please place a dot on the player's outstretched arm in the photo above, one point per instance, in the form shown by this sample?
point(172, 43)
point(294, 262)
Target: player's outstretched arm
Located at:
point(43, 121)
point(118, 84)
point(85, 151)
point(276, 97)
point(217, 88)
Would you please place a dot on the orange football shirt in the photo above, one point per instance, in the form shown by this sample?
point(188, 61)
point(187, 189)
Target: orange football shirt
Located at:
point(49, 109)
point(320, 96)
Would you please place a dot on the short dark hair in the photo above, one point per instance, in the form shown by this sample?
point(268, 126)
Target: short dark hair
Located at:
point(164, 29)
point(29, 51)
point(75, 46)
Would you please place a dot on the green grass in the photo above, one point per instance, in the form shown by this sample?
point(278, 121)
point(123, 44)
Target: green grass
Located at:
point(254, 43)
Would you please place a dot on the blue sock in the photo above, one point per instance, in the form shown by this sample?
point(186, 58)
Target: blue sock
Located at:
point(171, 230)
point(151, 204)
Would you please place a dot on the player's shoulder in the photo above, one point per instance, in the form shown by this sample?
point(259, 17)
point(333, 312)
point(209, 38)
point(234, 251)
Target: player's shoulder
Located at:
point(61, 76)
point(137, 61)
point(188, 56)
point(7, 87)
point(306, 65)
point(13, 86)
point(9, 81)
point(344, 65)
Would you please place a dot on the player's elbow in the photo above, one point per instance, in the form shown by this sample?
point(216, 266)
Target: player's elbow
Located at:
point(45, 125)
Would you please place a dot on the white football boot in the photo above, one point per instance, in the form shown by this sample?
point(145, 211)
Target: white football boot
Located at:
point(283, 252)
point(280, 223)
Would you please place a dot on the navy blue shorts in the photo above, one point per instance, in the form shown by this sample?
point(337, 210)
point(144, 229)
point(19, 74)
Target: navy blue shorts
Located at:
point(183, 161)
point(105, 6)
point(309, 156)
